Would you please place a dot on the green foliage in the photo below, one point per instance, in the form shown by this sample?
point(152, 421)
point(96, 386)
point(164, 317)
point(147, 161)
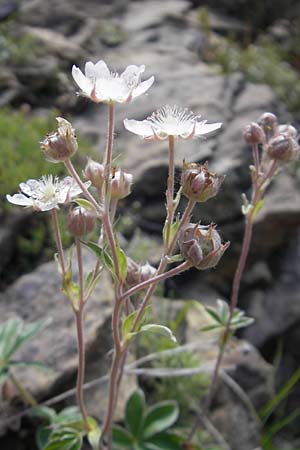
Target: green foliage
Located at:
point(13, 335)
point(147, 428)
point(65, 430)
point(220, 317)
point(21, 157)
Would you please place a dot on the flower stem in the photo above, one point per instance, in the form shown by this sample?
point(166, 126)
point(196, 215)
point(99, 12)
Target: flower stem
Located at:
point(170, 193)
point(108, 155)
point(72, 171)
point(80, 338)
point(25, 394)
point(171, 273)
point(58, 241)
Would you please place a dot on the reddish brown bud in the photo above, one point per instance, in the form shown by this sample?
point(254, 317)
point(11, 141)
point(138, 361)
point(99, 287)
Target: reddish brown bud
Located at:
point(120, 184)
point(253, 133)
point(137, 274)
point(282, 148)
point(198, 183)
point(60, 145)
point(94, 172)
point(269, 123)
point(201, 245)
point(80, 221)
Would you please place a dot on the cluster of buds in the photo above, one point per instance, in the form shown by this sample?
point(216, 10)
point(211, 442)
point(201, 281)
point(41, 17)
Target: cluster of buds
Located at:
point(136, 273)
point(279, 141)
point(201, 245)
point(198, 183)
point(60, 145)
point(80, 221)
point(121, 183)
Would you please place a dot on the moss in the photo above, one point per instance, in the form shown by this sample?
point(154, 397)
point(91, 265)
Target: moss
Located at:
point(21, 159)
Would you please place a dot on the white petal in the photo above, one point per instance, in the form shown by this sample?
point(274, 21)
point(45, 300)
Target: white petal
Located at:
point(205, 128)
point(132, 71)
point(112, 89)
point(29, 187)
point(85, 84)
point(19, 199)
point(142, 87)
point(101, 69)
point(45, 206)
point(89, 69)
point(141, 128)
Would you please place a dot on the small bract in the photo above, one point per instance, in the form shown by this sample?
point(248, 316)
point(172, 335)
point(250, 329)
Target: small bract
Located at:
point(101, 85)
point(171, 121)
point(46, 193)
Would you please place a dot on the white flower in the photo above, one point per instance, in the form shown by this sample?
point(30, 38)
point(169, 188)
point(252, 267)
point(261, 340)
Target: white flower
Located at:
point(101, 85)
point(46, 193)
point(171, 121)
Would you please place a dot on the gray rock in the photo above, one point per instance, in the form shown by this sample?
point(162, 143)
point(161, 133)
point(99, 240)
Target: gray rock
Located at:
point(37, 296)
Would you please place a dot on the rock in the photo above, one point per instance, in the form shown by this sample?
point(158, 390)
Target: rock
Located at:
point(37, 296)
point(56, 43)
point(277, 308)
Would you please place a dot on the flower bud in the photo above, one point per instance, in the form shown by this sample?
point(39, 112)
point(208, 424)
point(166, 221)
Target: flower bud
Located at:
point(253, 133)
point(94, 172)
point(120, 184)
point(198, 183)
point(269, 123)
point(137, 274)
point(282, 147)
point(147, 271)
point(80, 221)
point(62, 144)
point(289, 130)
point(201, 245)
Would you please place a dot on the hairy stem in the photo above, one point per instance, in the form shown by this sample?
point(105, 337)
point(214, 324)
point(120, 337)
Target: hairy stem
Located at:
point(58, 241)
point(108, 154)
point(170, 194)
point(72, 171)
point(80, 338)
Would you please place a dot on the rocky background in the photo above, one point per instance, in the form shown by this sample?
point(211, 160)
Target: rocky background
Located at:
point(184, 47)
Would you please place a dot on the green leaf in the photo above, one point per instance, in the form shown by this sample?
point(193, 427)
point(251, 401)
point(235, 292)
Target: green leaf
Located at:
point(93, 435)
point(134, 412)
point(69, 288)
point(164, 441)
point(122, 262)
point(223, 310)
point(9, 332)
point(127, 325)
point(42, 437)
point(85, 204)
point(256, 209)
point(68, 415)
point(121, 438)
point(214, 315)
point(159, 329)
point(13, 334)
point(102, 254)
point(44, 412)
point(64, 439)
point(173, 229)
point(280, 396)
point(160, 417)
